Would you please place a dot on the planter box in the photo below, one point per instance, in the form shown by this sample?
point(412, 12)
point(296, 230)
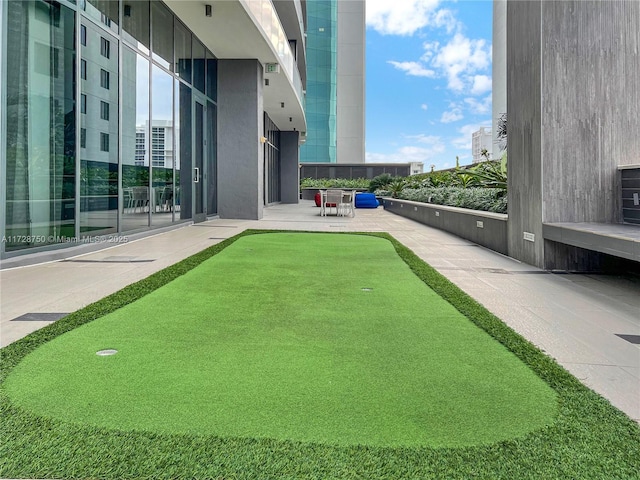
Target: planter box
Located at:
point(484, 228)
point(310, 193)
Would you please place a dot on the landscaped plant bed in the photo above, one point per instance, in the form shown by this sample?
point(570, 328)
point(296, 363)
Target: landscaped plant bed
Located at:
point(310, 192)
point(386, 377)
point(484, 228)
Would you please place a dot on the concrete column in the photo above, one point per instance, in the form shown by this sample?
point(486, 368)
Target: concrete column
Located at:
point(240, 126)
point(289, 170)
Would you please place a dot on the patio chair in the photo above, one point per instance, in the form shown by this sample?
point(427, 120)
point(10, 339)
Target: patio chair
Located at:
point(331, 199)
point(347, 203)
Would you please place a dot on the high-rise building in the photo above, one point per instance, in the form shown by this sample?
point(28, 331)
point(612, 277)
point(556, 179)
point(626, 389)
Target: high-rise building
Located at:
point(120, 116)
point(335, 97)
point(481, 145)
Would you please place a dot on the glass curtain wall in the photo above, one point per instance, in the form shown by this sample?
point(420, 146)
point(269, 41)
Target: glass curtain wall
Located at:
point(135, 134)
point(40, 124)
point(98, 131)
point(99, 119)
point(322, 63)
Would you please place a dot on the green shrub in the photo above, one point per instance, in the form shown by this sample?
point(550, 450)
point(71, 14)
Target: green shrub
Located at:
point(380, 182)
point(475, 198)
point(334, 183)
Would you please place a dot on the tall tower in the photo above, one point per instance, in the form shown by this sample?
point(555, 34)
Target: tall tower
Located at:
point(335, 82)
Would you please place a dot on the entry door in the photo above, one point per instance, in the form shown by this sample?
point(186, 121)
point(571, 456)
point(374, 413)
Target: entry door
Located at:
point(199, 165)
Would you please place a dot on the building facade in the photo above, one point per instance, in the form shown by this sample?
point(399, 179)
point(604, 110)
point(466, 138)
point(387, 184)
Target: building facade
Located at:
point(481, 145)
point(121, 116)
point(335, 100)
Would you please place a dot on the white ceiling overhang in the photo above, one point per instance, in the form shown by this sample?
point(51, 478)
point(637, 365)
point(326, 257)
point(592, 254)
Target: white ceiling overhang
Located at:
point(230, 33)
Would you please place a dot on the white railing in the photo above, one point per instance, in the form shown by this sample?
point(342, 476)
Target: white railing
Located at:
point(265, 16)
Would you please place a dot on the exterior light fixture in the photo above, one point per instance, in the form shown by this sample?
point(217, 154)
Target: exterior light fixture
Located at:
point(127, 10)
point(207, 10)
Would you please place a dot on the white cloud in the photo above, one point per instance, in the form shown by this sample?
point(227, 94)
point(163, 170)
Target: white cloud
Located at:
point(400, 17)
point(481, 84)
point(480, 107)
point(445, 18)
point(459, 59)
point(413, 68)
point(433, 140)
point(424, 106)
point(453, 114)
point(430, 146)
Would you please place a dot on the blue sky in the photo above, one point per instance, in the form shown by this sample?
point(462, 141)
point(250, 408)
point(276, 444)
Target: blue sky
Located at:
point(428, 79)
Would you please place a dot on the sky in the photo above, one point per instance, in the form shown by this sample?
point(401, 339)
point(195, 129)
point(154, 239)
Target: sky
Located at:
point(428, 79)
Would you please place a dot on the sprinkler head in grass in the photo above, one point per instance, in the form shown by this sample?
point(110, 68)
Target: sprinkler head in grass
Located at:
point(106, 353)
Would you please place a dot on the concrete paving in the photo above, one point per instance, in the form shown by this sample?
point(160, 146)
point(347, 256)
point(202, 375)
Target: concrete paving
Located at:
point(588, 323)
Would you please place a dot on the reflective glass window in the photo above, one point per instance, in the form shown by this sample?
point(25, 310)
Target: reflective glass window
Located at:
point(135, 23)
point(162, 41)
point(40, 124)
point(182, 52)
point(135, 141)
point(105, 11)
point(162, 133)
point(198, 65)
point(104, 78)
point(212, 76)
point(99, 136)
point(105, 47)
point(104, 110)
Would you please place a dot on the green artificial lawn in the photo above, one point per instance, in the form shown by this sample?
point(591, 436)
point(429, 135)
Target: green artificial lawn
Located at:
point(96, 422)
point(308, 337)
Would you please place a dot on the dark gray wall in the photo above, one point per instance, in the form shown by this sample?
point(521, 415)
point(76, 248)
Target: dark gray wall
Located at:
point(240, 126)
point(289, 171)
point(332, 170)
point(573, 100)
point(523, 130)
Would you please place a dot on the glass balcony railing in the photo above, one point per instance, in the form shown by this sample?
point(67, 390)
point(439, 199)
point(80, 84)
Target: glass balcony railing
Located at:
point(265, 16)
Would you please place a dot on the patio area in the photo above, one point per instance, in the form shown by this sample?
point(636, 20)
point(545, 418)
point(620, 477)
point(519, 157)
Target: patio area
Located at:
point(588, 323)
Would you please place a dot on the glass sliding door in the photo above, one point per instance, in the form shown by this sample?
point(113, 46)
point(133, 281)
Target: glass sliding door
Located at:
point(211, 160)
point(184, 193)
point(162, 189)
point(136, 130)
point(40, 124)
point(199, 155)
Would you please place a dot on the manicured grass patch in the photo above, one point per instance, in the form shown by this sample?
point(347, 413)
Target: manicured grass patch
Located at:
point(305, 337)
point(589, 438)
